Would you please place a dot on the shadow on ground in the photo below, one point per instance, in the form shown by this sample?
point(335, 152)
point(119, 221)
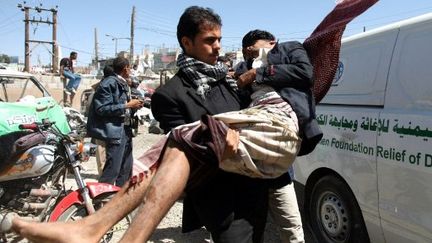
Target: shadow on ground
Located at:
point(174, 235)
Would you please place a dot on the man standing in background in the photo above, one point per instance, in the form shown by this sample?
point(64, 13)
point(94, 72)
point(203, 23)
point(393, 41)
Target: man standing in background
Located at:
point(67, 71)
point(109, 121)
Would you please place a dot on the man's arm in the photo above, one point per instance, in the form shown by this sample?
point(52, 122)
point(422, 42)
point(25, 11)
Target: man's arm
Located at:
point(61, 71)
point(166, 111)
point(295, 70)
point(290, 67)
point(104, 103)
point(62, 65)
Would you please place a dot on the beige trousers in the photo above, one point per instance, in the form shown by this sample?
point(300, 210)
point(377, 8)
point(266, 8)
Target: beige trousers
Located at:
point(100, 155)
point(285, 213)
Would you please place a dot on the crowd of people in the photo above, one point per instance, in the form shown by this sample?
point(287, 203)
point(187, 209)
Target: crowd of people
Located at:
point(230, 171)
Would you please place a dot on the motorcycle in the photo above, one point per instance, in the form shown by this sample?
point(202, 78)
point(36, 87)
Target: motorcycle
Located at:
point(77, 121)
point(32, 183)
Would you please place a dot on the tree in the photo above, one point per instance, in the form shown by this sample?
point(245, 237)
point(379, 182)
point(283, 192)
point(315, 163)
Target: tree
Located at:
point(4, 58)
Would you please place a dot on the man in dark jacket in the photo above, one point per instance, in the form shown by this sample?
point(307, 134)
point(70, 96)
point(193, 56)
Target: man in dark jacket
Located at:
point(108, 120)
point(230, 206)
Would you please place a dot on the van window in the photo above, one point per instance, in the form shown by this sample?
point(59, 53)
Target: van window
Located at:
point(411, 70)
point(363, 69)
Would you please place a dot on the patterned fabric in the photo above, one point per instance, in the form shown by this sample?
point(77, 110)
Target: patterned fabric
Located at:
point(201, 74)
point(269, 140)
point(323, 45)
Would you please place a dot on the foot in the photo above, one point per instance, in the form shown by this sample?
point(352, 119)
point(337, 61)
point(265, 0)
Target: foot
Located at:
point(73, 91)
point(66, 91)
point(52, 232)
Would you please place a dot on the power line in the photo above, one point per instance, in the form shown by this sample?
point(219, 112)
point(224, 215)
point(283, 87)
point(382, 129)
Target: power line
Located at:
point(11, 30)
point(64, 32)
point(159, 31)
point(78, 50)
point(13, 18)
point(159, 18)
point(157, 23)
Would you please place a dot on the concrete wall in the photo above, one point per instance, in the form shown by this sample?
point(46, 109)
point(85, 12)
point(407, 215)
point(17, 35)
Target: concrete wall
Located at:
point(55, 87)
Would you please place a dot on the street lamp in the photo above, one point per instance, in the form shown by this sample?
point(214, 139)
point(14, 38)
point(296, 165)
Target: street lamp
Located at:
point(115, 39)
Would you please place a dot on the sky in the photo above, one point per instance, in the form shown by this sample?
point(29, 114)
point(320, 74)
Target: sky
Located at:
point(156, 21)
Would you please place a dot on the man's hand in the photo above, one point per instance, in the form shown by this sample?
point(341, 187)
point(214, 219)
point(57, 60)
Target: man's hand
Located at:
point(246, 78)
point(231, 74)
point(135, 104)
point(232, 143)
point(250, 52)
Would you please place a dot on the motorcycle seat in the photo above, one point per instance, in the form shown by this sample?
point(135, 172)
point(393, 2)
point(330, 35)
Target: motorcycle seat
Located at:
point(15, 143)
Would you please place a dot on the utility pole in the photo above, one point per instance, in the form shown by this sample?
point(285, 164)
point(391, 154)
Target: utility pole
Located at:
point(96, 50)
point(132, 36)
point(54, 44)
point(115, 39)
point(27, 41)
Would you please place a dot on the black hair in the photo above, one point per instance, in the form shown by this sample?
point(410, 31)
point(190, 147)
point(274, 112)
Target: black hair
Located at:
point(223, 59)
point(108, 70)
point(192, 18)
point(73, 53)
point(119, 63)
point(252, 36)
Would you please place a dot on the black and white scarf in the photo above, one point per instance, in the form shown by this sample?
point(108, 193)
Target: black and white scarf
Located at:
point(202, 74)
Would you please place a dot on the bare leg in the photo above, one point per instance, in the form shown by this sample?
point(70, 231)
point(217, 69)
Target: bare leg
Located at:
point(91, 228)
point(166, 187)
point(71, 97)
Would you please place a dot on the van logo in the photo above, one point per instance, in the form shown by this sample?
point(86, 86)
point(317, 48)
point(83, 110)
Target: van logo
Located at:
point(339, 72)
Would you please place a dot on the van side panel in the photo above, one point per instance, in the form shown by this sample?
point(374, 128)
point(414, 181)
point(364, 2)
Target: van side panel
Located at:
point(405, 151)
point(363, 68)
point(348, 148)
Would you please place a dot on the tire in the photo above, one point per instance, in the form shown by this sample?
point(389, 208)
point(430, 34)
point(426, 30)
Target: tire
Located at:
point(334, 214)
point(76, 212)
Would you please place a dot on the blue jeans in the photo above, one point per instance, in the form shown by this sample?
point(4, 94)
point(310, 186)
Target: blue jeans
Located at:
point(74, 80)
point(119, 161)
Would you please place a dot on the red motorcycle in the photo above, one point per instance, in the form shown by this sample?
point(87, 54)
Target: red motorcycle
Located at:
point(32, 181)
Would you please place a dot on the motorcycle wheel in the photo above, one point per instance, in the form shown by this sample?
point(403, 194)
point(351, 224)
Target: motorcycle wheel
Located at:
point(76, 212)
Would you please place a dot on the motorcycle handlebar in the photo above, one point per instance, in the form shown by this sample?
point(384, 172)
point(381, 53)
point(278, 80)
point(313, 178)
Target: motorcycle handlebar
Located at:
point(37, 126)
point(32, 126)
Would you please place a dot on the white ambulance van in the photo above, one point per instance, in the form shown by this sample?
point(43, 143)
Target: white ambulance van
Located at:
point(370, 178)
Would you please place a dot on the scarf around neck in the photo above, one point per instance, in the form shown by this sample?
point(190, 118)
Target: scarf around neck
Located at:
point(203, 74)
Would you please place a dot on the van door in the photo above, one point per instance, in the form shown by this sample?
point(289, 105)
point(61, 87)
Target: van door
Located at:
point(404, 152)
point(349, 118)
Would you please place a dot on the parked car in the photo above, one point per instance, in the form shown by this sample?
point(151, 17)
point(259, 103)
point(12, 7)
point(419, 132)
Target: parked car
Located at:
point(370, 177)
point(24, 100)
